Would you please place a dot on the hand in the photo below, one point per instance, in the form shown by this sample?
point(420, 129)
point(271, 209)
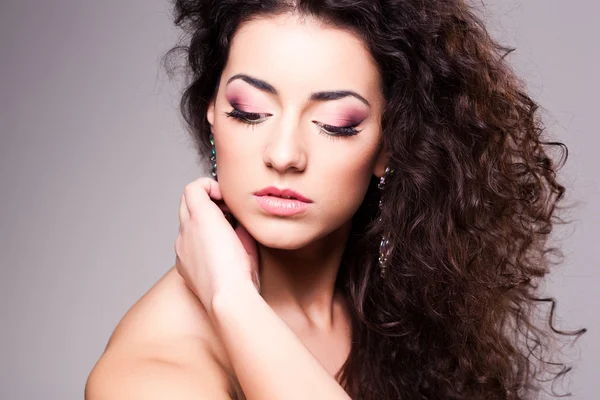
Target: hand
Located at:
point(211, 255)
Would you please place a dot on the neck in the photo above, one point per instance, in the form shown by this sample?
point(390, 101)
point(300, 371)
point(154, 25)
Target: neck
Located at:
point(300, 284)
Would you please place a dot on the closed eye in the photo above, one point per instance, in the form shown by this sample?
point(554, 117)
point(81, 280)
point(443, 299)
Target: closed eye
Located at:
point(247, 117)
point(333, 130)
point(252, 118)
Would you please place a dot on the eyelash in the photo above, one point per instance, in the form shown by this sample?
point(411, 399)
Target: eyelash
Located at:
point(246, 117)
point(330, 131)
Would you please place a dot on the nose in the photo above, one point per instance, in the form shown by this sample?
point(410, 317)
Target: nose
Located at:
point(285, 149)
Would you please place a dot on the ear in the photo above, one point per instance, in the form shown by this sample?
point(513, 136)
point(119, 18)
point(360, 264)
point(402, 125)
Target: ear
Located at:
point(380, 163)
point(210, 113)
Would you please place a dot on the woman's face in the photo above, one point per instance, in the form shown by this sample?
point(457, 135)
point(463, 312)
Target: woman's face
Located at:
point(298, 107)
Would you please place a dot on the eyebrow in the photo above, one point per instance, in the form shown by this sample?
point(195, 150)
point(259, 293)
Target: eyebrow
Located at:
point(317, 96)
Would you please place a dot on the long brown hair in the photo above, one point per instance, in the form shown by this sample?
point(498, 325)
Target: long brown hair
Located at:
point(469, 208)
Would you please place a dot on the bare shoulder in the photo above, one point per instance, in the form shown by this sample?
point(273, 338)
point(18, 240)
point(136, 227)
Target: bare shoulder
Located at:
point(125, 375)
point(164, 347)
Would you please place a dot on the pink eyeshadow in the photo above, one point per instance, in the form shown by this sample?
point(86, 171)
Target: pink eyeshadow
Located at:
point(349, 118)
point(243, 102)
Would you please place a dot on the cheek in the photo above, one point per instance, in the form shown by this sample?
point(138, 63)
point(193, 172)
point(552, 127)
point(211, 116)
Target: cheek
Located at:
point(346, 187)
point(236, 162)
point(235, 144)
point(350, 171)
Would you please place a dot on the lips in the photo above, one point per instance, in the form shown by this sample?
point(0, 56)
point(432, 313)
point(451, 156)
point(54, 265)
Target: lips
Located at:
point(282, 193)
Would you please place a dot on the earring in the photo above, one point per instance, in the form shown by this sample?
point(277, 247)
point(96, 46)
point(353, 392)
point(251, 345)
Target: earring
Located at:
point(213, 159)
point(384, 246)
point(213, 156)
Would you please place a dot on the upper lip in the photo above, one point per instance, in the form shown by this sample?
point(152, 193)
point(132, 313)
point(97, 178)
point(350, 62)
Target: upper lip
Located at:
point(271, 190)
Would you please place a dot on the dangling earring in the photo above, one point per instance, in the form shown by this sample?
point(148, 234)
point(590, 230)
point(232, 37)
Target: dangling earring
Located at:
point(213, 159)
point(213, 156)
point(384, 246)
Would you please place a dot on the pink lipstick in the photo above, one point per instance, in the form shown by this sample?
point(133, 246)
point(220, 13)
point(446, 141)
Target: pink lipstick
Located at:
point(281, 202)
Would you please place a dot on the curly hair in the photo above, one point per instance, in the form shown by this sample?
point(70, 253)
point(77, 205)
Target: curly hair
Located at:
point(469, 209)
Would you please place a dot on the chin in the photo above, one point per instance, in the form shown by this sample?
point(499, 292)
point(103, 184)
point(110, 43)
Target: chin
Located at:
point(277, 240)
point(278, 235)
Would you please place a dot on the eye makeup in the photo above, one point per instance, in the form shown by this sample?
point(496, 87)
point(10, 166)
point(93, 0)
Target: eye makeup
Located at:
point(253, 118)
point(334, 121)
point(334, 130)
point(340, 121)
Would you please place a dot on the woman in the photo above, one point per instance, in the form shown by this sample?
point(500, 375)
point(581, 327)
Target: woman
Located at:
point(389, 197)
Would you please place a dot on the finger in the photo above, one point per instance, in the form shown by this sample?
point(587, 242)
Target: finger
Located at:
point(199, 192)
point(210, 186)
point(247, 240)
point(177, 261)
point(223, 206)
point(249, 244)
point(184, 213)
point(178, 266)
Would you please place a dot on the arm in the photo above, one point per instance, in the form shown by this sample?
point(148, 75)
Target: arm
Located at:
point(218, 263)
point(269, 360)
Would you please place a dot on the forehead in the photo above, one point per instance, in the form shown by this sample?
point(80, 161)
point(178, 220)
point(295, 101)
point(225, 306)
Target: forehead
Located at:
point(302, 55)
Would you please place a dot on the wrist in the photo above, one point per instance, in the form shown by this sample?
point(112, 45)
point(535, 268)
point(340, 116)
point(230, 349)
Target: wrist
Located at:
point(232, 298)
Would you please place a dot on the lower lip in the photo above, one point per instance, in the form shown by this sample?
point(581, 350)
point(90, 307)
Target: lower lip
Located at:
point(280, 206)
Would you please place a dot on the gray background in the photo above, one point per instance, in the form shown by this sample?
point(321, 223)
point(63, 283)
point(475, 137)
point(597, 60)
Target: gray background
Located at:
point(93, 161)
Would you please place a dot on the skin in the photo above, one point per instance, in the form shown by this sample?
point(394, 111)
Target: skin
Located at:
point(173, 332)
point(299, 255)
